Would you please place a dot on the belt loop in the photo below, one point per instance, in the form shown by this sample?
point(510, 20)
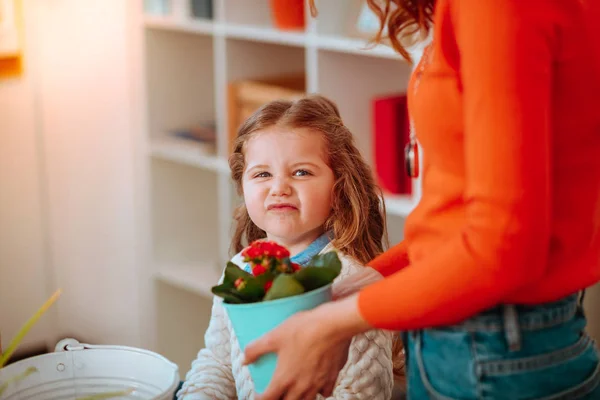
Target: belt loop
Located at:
point(580, 309)
point(512, 330)
point(581, 297)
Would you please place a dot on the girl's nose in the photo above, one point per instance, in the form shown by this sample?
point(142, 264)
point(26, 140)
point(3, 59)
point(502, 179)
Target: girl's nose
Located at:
point(281, 187)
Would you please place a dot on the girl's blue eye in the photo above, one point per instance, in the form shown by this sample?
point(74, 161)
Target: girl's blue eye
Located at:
point(262, 175)
point(302, 172)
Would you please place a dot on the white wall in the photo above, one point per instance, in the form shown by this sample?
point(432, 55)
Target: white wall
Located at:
point(22, 247)
point(86, 114)
point(67, 155)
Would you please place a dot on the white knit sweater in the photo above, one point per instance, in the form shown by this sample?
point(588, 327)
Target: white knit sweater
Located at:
point(218, 374)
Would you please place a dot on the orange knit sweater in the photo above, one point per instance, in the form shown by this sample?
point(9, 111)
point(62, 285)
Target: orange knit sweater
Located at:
point(507, 112)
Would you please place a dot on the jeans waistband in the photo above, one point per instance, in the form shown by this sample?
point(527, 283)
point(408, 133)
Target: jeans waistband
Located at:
point(527, 318)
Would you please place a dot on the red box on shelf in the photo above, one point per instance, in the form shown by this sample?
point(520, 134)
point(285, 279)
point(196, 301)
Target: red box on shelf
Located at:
point(391, 132)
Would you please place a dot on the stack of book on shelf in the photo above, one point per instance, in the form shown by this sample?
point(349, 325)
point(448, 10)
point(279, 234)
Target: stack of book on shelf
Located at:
point(202, 136)
point(391, 132)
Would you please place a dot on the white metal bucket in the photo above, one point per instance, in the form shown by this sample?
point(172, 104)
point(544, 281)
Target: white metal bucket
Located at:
point(78, 370)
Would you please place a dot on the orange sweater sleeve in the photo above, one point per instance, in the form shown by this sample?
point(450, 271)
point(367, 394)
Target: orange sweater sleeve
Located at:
point(392, 260)
point(505, 75)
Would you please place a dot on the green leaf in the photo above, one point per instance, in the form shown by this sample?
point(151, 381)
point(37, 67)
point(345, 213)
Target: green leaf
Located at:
point(252, 290)
point(284, 285)
point(262, 279)
point(12, 346)
point(329, 260)
point(315, 277)
point(233, 272)
point(227, 292)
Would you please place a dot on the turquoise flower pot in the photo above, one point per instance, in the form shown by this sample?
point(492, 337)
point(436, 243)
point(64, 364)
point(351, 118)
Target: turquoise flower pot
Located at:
point(251, 321)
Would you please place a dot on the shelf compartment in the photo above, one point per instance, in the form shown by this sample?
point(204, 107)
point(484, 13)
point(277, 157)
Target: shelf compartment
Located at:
point(182, 317)
point(187, 152)
point(254, 60)
point(184, 220)
point(180, 80)
point(243, 12)
point(253, 13)
point(371, 77)
point(246, 96)
point(180, 10)
point(198, 279)
point(337, 29)
point(339, 18)
point(252, 77)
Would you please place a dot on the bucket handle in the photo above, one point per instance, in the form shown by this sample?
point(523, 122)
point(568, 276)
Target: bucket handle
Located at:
point(70, 344)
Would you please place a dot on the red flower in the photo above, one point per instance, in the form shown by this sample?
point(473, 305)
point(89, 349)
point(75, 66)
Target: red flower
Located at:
point(261, 248)
point(239, 283)
point(258, 270)
point(268, 286)
point(251, 252)
point(295, 267)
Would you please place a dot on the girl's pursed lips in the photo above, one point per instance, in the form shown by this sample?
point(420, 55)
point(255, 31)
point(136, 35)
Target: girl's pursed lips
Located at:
point(281, 207)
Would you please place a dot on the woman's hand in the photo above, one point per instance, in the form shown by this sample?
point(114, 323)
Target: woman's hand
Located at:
point(312, 348)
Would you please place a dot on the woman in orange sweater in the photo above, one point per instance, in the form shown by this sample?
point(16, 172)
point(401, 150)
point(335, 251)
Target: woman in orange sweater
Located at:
point(505, 104)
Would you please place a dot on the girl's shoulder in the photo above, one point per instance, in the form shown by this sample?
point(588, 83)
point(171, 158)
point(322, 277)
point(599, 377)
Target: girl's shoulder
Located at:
point(350, 265)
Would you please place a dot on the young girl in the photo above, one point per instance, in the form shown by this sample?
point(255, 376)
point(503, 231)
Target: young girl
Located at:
point(305, 186)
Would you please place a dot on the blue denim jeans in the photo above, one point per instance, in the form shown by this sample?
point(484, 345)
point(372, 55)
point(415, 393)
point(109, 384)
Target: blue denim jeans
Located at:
point(509, 352)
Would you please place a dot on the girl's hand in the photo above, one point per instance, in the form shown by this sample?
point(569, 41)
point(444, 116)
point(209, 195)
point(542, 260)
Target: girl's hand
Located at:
point(312, 348)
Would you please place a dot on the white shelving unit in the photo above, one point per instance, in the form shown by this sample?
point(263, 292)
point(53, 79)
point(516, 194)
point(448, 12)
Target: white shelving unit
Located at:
point(190, 277)
point(187, 64)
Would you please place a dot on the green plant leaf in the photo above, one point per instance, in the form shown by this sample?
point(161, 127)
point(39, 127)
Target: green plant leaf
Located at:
point(329, 260)
point(252, 291)
point(227, 292)
point(315, 277)
point(12, 346)
point(233, 272)
point(284, 285)
point(264, 278)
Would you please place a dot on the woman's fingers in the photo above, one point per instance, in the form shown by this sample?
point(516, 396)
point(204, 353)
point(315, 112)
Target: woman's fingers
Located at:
point(260, 347)
point(276, 389)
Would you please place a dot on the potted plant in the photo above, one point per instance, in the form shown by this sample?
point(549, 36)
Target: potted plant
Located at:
point(276, 289)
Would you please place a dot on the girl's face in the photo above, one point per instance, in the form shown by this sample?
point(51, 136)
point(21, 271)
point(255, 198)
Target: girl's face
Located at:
point(288, 185)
